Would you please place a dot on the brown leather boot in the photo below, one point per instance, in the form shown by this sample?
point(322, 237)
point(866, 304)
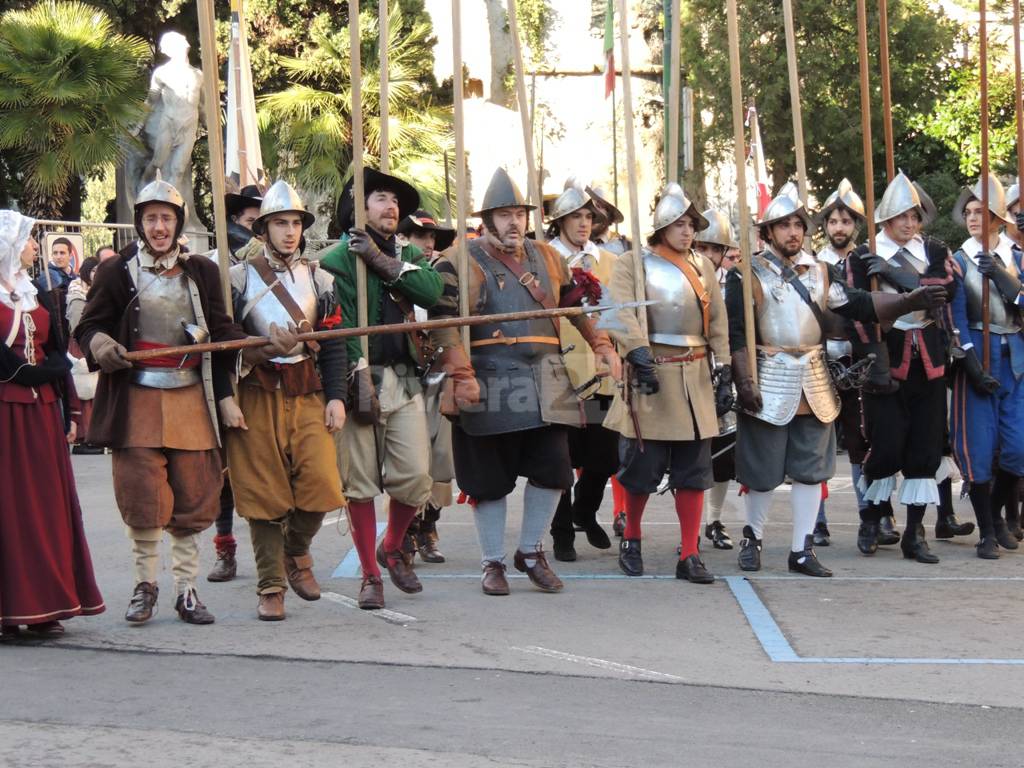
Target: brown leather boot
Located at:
point(401, 573)
point(426, 543)
point(493, 581)
point(271, 607)
point(140, 609)
point(371, 593)
point(226, 567)
point(299, 570)
point(540, 574)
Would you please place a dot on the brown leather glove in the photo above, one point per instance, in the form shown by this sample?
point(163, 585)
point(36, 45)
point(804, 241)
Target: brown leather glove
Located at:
point(364, 405)
point(747, 393)
point(388, 268)
point(889, 306)
point(460, 389)
point(108, 354)
point(282, 341)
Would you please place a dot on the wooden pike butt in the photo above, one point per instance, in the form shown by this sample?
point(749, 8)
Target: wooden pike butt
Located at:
point(533, 183)
point(358, 193)
point(460, 169)
point(794, 100)
point(986, 341)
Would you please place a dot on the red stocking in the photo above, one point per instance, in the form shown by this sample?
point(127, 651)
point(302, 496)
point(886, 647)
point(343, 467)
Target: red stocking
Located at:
point(635, 504)
point(689, 509)
point(362, 520)
point(399, 517)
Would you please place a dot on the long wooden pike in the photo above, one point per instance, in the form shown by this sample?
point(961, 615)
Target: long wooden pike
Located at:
point(639, 282)
point(1018, 92)
point(383, 24)
point(533, 184)
point(460, 169)
point(741, 183)
point(358, 193)
point(346, 333)
point(883, 54)
point(986, 218)
point(865, 126)
point(211, 103)
point(673, 94)
point(794, 100)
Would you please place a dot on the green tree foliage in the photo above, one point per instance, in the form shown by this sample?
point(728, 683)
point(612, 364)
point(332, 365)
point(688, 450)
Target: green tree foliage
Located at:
point(921, 40)
point(71, 88)
point(310, 120)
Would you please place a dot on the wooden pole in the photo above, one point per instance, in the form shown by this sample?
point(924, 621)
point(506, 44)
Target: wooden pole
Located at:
point(865, 127)
point(347, 333)
point(986, 218)
point(460, 169)
point(741, 183)
point(673, 95)
point(639, 282)
point(211, 103)
point(358, 193)
point(1018, 92)
point(382, 49)
point(794, 100)
point(883, 54)
point(533, 182)
point(236, 44)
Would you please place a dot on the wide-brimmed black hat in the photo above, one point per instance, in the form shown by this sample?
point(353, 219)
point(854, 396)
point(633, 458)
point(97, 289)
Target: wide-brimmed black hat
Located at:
point(375, 181)
point(250, 196)
point(423, 221)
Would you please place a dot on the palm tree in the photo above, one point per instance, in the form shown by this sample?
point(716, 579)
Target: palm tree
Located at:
point(311, 121)
point(71, 90)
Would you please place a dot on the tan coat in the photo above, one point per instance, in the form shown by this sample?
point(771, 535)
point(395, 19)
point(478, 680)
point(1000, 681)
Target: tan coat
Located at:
point(580, 361)
point(686, 393)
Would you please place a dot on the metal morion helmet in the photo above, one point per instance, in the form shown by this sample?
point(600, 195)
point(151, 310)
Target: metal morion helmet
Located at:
point(845, 197)
point(782, 207)
point(719, 230)
point(160, 191)
point(1012, 195)
point(502, 192)
point(899, 197)
point(996, 201)
point(281, 198)
point(570, 201)
point(673, 205)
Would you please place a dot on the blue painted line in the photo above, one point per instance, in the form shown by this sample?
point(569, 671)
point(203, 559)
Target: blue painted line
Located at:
point(348, 568)
point(766, 630)
point(882, 660)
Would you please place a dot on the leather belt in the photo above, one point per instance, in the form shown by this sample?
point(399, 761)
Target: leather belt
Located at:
point(687, 358)
point(509, 340)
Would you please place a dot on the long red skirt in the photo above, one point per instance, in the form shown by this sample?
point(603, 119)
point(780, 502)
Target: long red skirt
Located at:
point(45, 567)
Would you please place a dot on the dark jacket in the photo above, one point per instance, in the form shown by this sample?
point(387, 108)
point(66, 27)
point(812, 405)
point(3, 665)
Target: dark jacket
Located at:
point(111, 310)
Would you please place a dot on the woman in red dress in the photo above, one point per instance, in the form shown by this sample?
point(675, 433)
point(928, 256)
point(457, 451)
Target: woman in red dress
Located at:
point(45, 568)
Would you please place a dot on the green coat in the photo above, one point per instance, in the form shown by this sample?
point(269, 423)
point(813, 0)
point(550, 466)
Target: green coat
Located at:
point(422, 286)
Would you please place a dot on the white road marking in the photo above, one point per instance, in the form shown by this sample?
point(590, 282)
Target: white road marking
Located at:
point(392, 617)
point(590, 661)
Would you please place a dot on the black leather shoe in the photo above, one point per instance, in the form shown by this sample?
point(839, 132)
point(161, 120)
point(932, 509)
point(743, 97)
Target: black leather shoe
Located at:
point(750, 551)
point(948, 527)
point(562, 547)
point(596, 536)
point(806, 562)
point(190, 610)
point(917, 548)
point(619, 524)
point(715, 533)
point(631, 562)
point(987, 548)
point(867, 537)
point(143, 602)
point(692, 569)
point(887, 533)
point(1004, 537)
point(821, 535)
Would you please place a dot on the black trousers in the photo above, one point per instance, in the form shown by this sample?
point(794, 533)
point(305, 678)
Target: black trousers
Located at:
point(487, 466)
point(593, 450)
point(906, 430)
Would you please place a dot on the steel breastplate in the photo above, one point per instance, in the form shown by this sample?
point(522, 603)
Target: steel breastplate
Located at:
point(165, 304)
point(784, 378)
point(262, 308)
point(1000, 319)
point(784, 319)
point(676, 319)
